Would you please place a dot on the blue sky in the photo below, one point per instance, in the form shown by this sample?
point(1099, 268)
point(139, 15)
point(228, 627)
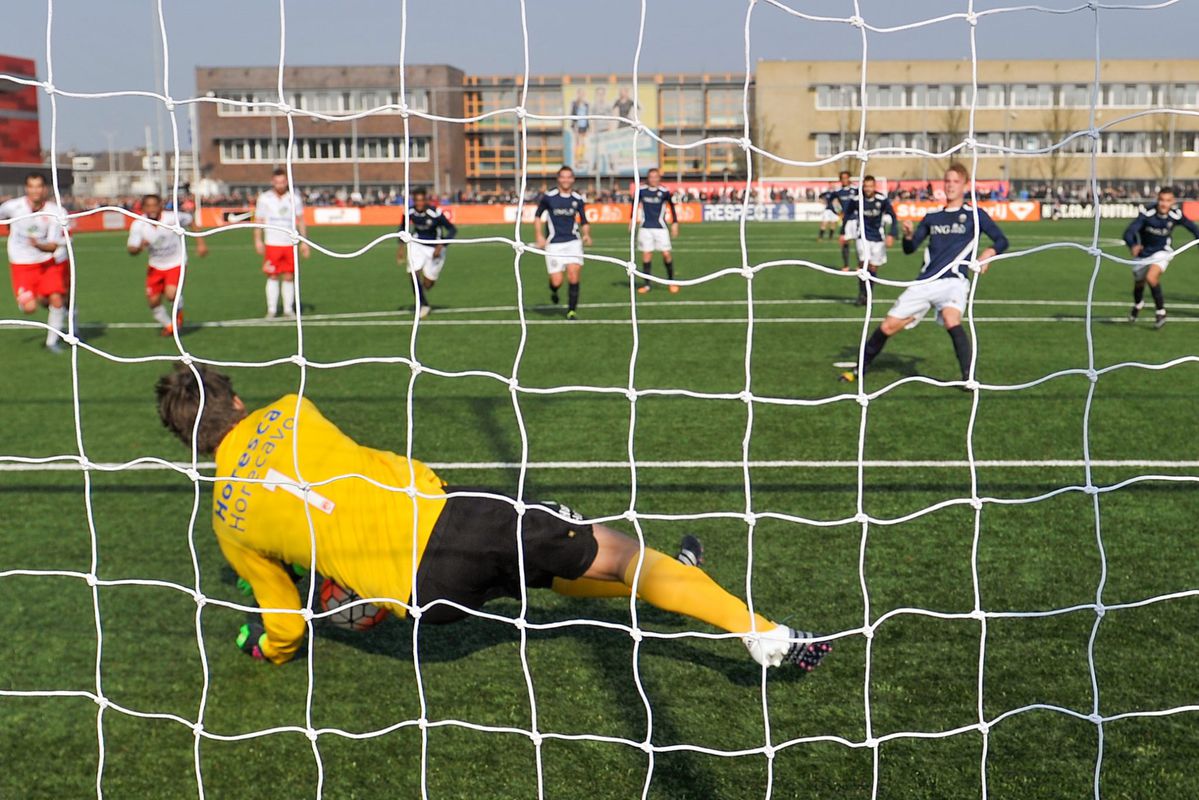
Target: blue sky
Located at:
point(110, 46)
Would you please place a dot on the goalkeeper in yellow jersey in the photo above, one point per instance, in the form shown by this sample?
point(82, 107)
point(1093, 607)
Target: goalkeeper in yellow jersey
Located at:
point(367, 508)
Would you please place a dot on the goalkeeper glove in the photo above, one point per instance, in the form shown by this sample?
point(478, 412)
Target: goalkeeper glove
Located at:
point(296, 572)
point(250, 639)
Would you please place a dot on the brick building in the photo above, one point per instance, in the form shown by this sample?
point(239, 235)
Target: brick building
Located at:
point(244, 139)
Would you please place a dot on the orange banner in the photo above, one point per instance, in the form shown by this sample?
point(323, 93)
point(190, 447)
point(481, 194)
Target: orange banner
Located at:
point(1000, 211)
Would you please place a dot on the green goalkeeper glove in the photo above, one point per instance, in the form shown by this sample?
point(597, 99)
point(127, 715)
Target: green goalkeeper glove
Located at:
point(250, 639)
point(296, 572)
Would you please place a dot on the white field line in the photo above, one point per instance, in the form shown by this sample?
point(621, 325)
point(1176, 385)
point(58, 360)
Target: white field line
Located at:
point(397, 317)
point(71, 464)
point(393, 323)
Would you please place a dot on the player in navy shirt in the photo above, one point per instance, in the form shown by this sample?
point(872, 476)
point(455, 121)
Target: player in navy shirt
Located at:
point(872, 214)
point(1148, 237)
point(425, 254)
point(563, 213)
point(653, 201)
point(950, 234)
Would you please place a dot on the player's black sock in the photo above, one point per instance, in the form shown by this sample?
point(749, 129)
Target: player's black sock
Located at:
point(874, 346)
point(1159, 300)
point(647, 267)
point(1138, 294)
point(961, 346)
point(553, 292)
point(669, 264)
point(845, 255)
point(573, 296)
point(420, 293)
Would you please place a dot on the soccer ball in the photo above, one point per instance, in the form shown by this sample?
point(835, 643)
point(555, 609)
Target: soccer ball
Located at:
point(361, 617)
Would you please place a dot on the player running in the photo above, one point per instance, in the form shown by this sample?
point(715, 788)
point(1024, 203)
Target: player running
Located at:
point(466, 547)
point(425, 255)
point(872, 214)
point(950, 234)
point(1148, 237)
point(38, 278)
point(279, 208)
point(654, 200)
point(564, 213)
point(167, 254)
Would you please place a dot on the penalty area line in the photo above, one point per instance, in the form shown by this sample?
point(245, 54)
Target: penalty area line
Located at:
point(73, 465)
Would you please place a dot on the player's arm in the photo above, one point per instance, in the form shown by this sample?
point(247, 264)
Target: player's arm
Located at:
point(54, 238)
point(260, 214)
point(445, 230)
point(584, 225)
point(302, 229)
point(281, 634)
point(894, 231)
point(1132, 235)
point(999, 242)
point(1189, 225)
point(201, 243)
point(543, 208)
point(674, 216)
point(912, 241)
point(136, 242)
point(633, 206)
point(845, 216)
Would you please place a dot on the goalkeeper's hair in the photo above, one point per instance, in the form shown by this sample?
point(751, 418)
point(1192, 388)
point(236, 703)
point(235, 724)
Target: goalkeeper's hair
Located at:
point(179, 401)
point(960, 169)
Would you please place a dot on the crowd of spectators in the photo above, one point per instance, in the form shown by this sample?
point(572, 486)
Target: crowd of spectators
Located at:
point(1110, 192)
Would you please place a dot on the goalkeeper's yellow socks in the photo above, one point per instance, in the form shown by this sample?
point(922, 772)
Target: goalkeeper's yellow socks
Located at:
point(589, 587)
point(671, 586)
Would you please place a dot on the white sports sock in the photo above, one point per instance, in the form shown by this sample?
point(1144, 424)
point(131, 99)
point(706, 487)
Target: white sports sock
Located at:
point(272, 295)
point(289, 297)
point(161, 315)
point(57, 320)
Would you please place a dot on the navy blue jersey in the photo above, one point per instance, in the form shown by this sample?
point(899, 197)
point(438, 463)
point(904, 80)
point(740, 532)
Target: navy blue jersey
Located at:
point(871, 212)
point(430, 224)
point(654, 203)
point(1152, 230)
point(950, 235)
point(828, 198)
point(566, 213)
point(843, 194)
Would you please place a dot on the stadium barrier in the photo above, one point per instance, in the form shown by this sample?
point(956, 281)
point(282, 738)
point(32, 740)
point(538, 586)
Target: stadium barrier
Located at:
point(619, 213)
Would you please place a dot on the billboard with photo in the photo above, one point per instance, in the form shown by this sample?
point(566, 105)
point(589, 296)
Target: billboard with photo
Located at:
point(606, 147)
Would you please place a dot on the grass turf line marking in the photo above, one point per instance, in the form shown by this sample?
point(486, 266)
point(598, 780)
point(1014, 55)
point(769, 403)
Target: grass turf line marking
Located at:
point(73, 465)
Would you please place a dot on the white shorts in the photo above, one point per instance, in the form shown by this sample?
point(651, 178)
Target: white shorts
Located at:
point(558, 255)
point(851, 229)
point(1161, 258)
point(421, 259)
point(828, 215)
point(941, 293)
point(871, 252)
point(651, 239)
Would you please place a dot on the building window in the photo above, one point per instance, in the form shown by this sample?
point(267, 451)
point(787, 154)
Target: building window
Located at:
point(944, 95)
point(725, 157)
point(1076, 95)
point(885, 96)
point(681, 107)
point(726, 108)
point(1032, 95)
point(1128, 94)
point(837, 96)
point(826, 144)
point(990, 95)
point(323, 148)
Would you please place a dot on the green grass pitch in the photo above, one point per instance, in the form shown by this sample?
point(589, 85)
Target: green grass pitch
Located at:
point(704, 693)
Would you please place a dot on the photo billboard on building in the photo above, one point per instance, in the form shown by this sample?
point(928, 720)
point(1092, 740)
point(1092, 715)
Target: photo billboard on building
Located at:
point(606, 147)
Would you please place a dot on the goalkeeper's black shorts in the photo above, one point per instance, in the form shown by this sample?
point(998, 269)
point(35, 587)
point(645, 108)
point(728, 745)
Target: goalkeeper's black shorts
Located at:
point(472, 555)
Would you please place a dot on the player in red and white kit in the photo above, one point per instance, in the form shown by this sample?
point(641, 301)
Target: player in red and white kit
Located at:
point(167, 255)
point(279, 208)
point(38, 279)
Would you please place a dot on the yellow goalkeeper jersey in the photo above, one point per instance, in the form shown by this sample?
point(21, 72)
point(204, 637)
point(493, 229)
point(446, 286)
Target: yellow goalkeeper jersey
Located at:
point(363, 533)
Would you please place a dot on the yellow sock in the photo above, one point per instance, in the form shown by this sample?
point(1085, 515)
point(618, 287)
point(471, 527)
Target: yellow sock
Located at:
point(671, 586)
point(589, 587)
